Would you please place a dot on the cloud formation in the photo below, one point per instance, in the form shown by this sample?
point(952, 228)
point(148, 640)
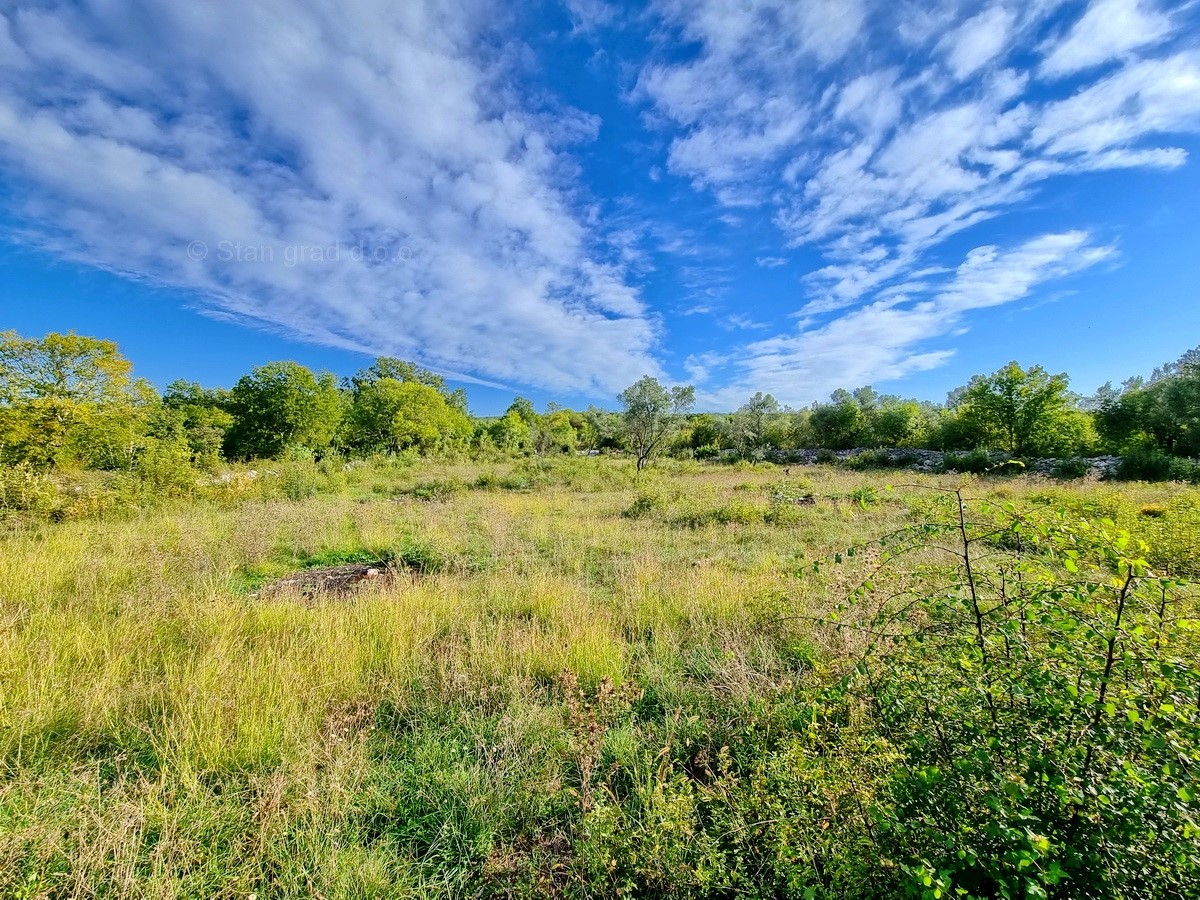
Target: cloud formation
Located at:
point(875, 342)
point(402, 178)
point(295, 128)
point(876, 162)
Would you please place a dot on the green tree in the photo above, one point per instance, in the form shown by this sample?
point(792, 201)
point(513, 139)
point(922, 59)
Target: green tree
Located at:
point(282, 405)
point(425, 420)
point(54, 388)
point(388, 367)
point(1163, 413)
point(606, 427)
point(510, 433)
point(838, 425)
point(552, 432)
point(753, 420)
point(900, 423)
point(706, 433)
point(1023, 411)
point(370, 423)
point(202, 416)
point(651, 414)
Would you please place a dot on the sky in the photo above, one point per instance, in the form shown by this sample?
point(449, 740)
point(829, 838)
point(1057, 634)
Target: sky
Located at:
point(553, 198)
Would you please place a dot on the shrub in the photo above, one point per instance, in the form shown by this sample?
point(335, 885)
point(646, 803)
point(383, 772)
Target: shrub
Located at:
point(974, 462)
point(1044, 702)
point(488, 481)
point(300, 480)
point(421, 555)
point(1152, 464)
point(527, 476)
point(166, 469)
point(793, 490)
point(784, 513)
point(1145, 464)
point(735, 512)
point(865, 496)
point(438, 488)
point(646, 503)
point(869, 459)
point(882, 459)
point(738, 512)
point(1070, 469)
point(24, 489)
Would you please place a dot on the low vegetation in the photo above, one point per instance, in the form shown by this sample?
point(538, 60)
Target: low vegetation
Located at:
point(581, 681)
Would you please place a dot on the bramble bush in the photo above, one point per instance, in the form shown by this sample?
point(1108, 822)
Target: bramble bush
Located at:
point(1040, 685)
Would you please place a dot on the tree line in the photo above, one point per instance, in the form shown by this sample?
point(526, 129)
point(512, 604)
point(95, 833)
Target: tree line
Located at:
point(68, 400)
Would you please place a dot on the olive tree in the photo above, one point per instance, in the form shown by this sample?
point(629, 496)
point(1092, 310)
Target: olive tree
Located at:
point(652, 413)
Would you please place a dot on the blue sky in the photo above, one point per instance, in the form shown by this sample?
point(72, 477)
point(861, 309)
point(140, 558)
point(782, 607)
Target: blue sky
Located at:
point(555, 198)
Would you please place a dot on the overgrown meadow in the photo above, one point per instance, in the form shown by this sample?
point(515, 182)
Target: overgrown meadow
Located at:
point(583, 681)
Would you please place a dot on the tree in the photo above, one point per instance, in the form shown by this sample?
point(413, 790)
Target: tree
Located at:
point(1020, 410)
point(1163, 412)
point(899, 423)
point(652, 413)
point(202, 416)
point(705, 434)
point(424, 419)
point(282, 405)
point(370, 423)
point(752, 421)
point(52, 388)
point(404, 371)
point(838, 425)
point(523, 408)
point(552, 432)
point(509, 433)
point(605, 427)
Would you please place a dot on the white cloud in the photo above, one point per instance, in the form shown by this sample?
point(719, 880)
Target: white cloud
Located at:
point(591, 14)
point(979, 40)
point(743, 322)
point(875, 162)
point(886, 339)
point(1109, 29)
point(770, 262)
point(1100, 123)
point(292, 127)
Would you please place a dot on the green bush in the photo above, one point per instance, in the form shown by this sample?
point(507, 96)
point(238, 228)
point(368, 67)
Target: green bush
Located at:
point(974, 462)
point(1070, 469)
point(24, 489)
point(1152, 464)
point(1044, 703)
point(166, 469)
point(735, 512)
point(439, 488)
point(881, 459)
point(784, 513)
point(646, 503)
point(300, 480)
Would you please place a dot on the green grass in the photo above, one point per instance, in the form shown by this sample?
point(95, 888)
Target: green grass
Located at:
point(592, 683)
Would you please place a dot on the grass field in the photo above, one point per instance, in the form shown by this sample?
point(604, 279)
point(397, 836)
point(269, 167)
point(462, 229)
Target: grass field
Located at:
point(582, 683)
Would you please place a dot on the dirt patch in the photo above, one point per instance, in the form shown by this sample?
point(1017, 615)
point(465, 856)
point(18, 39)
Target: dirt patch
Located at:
point(795, 500)
point(331, 580)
